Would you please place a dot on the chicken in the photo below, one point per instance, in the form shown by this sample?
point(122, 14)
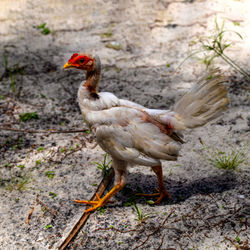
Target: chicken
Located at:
point(133, 134)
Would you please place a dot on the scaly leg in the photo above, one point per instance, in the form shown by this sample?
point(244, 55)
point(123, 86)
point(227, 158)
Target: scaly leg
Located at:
point(120, 181)
point(162, 192)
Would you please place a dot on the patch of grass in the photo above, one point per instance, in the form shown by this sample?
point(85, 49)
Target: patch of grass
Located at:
point(13, 82)
point(28, 116)
point(237, 239)
point(53, 195)
point(38, 162)
point(213, 47)
point(11, 72)
point(107, 34)
point(44, 30)
point(140, 216)
point(101, 210)
point(229, 160)
point(18, 183)
point(40, 149)
point(21, 166)
point(50, 174)
point(104, 166)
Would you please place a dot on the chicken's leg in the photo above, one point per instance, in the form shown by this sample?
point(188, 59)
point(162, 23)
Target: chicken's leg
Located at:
point(120, 182)
point(162, 192)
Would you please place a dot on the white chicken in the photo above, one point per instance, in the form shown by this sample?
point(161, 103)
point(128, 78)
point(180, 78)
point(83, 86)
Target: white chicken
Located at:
point(133, 134)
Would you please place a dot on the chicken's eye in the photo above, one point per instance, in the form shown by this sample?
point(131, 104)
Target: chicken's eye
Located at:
point(82, 60)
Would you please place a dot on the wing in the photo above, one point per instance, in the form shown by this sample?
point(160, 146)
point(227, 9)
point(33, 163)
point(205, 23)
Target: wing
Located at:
point(133, 135)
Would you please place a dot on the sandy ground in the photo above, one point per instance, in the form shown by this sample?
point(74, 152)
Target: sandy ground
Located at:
point(209, 208)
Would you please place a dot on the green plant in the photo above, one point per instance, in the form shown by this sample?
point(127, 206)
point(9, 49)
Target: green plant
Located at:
point(11, 72)
point(237, 239)
point(18, 183)
point(53, 195)
point(38, 162)
point(101, 210)
point(28, 116)
point(50, 174)
point(40, 149)
point(140, 216)
point(44, 30)
point(214, 46)
point(104, 166)
point(21, 166)
point(224, 160)
point(13, 82)
point(48, 226)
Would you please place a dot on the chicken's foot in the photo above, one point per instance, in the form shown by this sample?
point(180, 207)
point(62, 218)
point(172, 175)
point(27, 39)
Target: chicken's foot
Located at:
point(100, 201)
point(162, 192)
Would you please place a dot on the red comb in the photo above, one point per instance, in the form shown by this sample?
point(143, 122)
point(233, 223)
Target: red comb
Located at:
point(73, 56)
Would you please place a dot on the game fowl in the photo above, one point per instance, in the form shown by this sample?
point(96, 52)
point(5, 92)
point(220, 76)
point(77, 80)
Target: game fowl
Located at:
point(133, 134)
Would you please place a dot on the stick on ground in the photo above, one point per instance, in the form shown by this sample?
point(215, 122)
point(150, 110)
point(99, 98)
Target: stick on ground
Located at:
point(100, 190)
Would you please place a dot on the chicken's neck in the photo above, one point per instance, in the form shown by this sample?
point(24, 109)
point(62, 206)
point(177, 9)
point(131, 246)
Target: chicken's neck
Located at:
point(93, 77)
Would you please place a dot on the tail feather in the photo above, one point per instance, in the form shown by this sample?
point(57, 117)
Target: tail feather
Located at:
point(204, 102)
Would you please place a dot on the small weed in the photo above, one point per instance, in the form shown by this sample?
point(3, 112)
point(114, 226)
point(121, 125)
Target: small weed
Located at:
point(16, 199)
point(214, 46)
point(38, 162)
point(40, 149)
point(28, 116)
point(237, 239)
point(87, 131)
point(168, 65)
point(94, 184)
point(107, 34)
point(236, 23)
point(44, 30)
point(21, 166)
point(227, 161)
point(140, 216)
point(63, 150)
point(13, 82)
point(18, 183)
point(105, 166)
point(150, 202)
point(6, 165)
point(48, 226)
point(1, 97)
point(101, 210)
point(50, 174)
point(11, 72)
point(53, 195)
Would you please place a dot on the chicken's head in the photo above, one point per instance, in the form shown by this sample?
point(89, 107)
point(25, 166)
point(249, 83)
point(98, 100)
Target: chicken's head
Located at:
point(80, 61)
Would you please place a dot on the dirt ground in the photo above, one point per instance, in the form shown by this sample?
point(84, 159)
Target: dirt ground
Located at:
point(140, 44)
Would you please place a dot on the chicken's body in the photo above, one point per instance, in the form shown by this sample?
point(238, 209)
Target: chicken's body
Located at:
point(133, 134)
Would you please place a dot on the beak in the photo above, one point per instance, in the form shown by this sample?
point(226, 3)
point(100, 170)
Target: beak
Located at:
point(67, 65)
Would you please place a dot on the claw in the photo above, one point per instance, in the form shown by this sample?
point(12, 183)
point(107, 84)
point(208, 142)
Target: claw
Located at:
point(100, 202)
point(161, 193)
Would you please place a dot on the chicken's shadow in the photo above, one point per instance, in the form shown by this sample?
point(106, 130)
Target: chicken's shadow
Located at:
point(179, 190)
